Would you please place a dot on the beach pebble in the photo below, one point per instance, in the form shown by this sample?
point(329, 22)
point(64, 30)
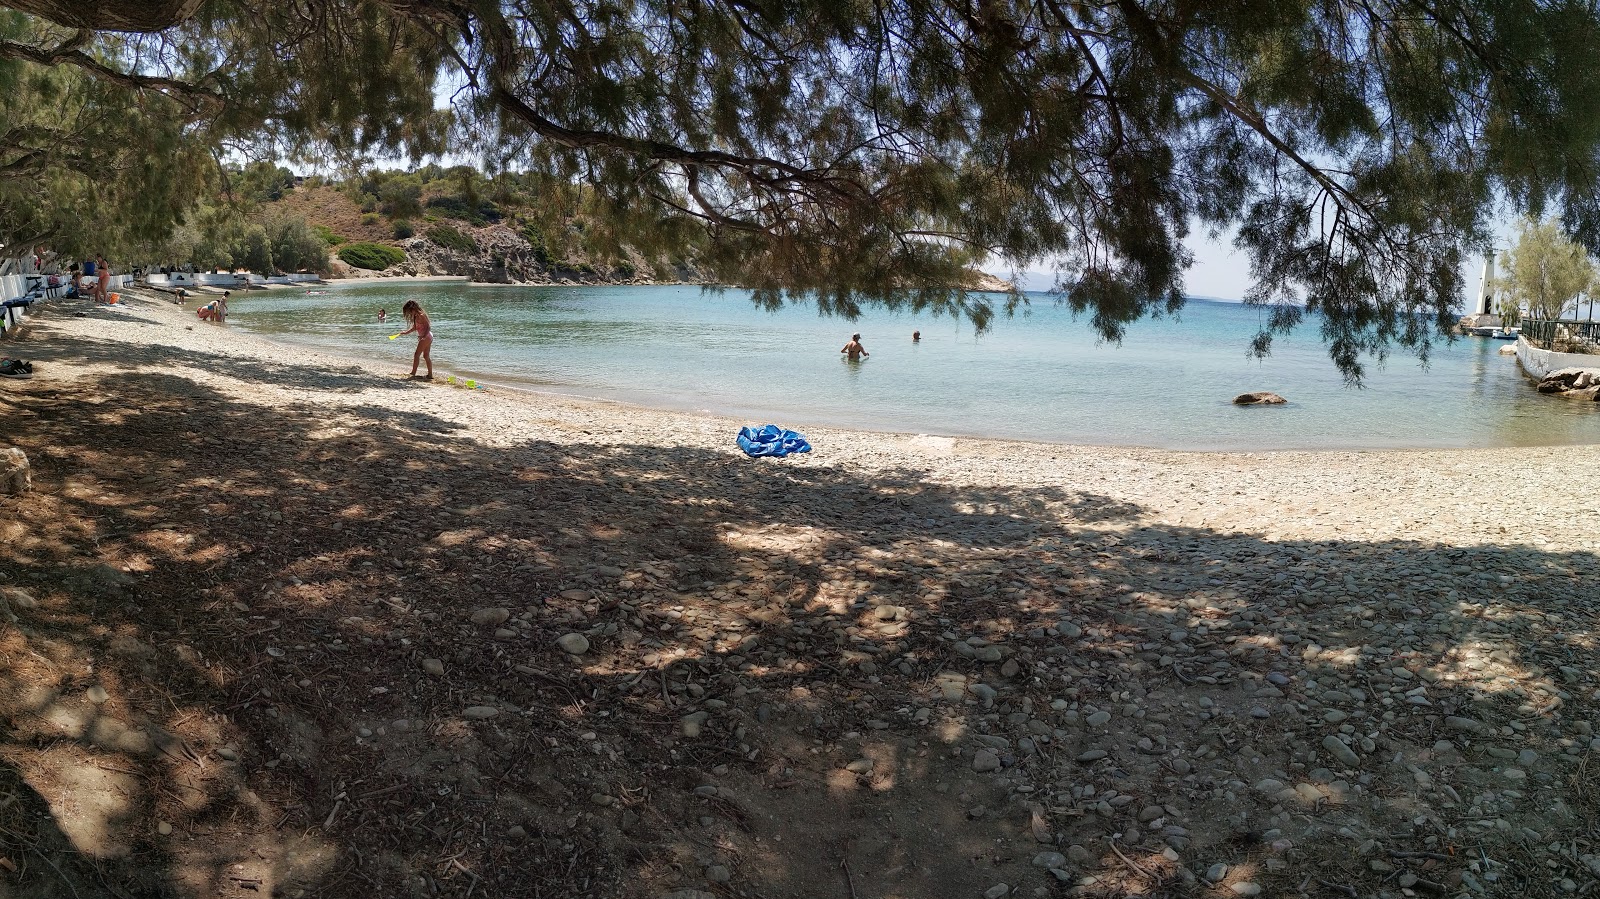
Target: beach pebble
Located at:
point(859, 766)
point(433, 666)
point(1337, 748)
point(97, 694)
point(491, 617)
point(692, 724)
point(984, 760)
point(718, 874)
point(1246, 888)
point(997, 891)
point(1049, 860)
point(575, 644)
point(1216, 873)
point(480, 712)
point(163, 828)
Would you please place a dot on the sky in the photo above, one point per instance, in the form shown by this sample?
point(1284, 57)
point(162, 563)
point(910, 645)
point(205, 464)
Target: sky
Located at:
point(1221, 273)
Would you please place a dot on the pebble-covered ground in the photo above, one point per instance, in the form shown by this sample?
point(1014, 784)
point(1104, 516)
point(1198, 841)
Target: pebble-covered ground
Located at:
point(285, 625)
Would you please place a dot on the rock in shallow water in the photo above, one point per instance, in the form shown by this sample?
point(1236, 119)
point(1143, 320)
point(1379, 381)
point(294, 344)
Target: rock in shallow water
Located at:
point(1259, 399)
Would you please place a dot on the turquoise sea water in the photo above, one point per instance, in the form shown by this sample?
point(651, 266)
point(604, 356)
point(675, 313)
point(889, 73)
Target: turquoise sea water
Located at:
point(1038, 376)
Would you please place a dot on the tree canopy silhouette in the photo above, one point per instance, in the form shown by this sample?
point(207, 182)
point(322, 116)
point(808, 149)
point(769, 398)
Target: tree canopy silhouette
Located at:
point(871, 151)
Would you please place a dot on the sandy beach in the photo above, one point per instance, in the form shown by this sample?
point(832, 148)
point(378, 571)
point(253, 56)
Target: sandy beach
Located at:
point(288, 624)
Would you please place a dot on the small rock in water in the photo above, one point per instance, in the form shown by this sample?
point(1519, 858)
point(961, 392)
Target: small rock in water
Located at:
point(1259, 399)
point(576, 644)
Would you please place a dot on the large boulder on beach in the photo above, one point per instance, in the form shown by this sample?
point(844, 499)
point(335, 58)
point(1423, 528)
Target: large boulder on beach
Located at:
point(1258, 399)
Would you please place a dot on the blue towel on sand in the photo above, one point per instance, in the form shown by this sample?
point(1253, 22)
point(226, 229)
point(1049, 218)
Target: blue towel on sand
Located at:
point(771, 440)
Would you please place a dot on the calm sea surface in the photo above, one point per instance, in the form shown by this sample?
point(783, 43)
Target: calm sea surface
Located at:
point(1037, 376)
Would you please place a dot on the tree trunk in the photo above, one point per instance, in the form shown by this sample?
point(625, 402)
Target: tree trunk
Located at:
point(110, 15)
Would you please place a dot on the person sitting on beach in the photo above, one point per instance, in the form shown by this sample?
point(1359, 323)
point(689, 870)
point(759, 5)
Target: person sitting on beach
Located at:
point(854, 349)
point(412, 310)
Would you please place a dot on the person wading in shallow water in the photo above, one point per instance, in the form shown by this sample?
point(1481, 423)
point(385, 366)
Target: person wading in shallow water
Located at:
point(424, 330)
point(854, 349)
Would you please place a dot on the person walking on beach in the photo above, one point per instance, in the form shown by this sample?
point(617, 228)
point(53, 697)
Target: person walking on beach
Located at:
point(102, 289)
point(854, 349)
point(412, 310)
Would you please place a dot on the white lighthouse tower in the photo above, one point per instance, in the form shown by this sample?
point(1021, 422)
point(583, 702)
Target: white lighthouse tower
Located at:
point(1486, 287)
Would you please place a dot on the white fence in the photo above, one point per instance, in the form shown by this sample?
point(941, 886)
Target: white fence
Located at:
point(38, 289)
point(222, 279)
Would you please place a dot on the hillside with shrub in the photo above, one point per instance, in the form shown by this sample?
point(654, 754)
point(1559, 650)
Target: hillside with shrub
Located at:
point(507, 228)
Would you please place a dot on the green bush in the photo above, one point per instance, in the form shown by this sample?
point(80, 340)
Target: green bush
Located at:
point(327, 235)
point(626, 270)
point(447, 236)
point(403, 230)
point(373, 256)
point(541, 250)
point(370, 218)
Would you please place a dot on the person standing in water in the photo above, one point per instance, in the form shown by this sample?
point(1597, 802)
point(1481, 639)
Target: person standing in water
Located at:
point(382, 314)
point(854, 349)
point(412, 310)
point(916, 336)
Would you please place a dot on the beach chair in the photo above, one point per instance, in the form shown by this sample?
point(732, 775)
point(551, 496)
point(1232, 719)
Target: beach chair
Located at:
point(13, 310)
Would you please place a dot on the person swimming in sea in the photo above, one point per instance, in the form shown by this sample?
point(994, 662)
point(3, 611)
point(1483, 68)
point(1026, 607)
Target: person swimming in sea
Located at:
point(854, 349)
point(382, 314)
point(916, 336)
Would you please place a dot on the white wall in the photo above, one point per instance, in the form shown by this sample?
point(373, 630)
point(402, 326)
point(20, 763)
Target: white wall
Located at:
point(1540, 363)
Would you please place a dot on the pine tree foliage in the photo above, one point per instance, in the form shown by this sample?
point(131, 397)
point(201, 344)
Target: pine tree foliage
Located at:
point(853, 151)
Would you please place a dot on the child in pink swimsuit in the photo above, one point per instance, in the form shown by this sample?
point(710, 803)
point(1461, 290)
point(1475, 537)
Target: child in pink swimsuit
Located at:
point(424, 331)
